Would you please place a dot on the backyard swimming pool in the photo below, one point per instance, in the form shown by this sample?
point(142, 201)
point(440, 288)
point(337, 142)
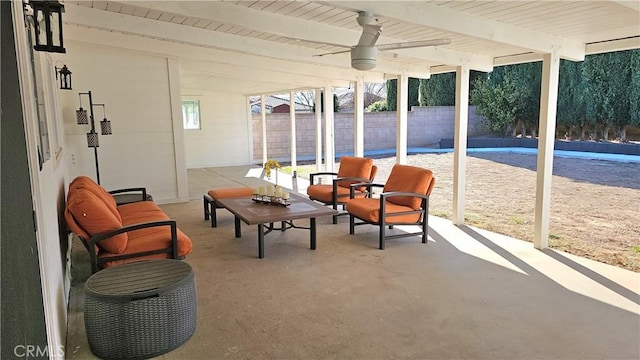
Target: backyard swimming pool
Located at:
point(519, 150)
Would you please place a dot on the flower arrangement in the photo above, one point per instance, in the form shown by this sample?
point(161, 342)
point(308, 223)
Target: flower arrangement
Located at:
point(271, 164)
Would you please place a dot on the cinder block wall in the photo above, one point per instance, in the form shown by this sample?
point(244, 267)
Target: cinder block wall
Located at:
point(426, 126)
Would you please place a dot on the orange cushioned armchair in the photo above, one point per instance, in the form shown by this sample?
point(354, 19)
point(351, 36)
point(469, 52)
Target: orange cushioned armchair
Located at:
point(118, 234)
point(403, 201)
point(352, 170)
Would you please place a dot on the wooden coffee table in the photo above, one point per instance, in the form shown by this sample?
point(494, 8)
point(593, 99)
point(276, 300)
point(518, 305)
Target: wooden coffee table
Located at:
point(264, 215)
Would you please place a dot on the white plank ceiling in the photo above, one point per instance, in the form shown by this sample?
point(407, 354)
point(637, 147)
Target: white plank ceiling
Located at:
point(252, 47)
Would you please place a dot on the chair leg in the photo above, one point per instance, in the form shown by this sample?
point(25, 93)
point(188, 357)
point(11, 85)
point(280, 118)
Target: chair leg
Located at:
point(352, 224)
point(425, 228)
point(425, 223)
point(382, 227)
point(205, 203)
point(335, 217)
point(214, 220)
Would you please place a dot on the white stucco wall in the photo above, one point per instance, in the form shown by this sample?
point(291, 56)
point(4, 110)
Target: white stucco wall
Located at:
point(223, 139)
point(135, 89)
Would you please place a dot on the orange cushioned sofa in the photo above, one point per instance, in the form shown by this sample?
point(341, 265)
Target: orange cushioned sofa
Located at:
point(118, 234)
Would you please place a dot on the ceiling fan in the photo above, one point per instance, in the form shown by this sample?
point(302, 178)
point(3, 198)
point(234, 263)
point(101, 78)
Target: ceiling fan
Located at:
point(364, 54)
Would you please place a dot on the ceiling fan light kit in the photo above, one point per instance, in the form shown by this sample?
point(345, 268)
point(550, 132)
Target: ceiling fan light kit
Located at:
point(363, 57)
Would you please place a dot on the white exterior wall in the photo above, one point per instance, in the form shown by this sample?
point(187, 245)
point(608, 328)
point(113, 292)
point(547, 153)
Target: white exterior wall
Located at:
point(136, 91)
point(47, 184)
point(223, 127)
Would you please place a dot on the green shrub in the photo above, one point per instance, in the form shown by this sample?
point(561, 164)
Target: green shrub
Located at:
point(378, 106)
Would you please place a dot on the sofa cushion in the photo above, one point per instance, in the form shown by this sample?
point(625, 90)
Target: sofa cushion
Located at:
point(408, 179)
point(85, 182)
point(93, 215)
point(151, 239)
point(141, 211)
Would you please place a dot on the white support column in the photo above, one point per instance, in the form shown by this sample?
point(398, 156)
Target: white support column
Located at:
point(546, 139)
point(292, 114)
point(182, 183)
point(319, 166)
point(329, 149)
point(250, 128)
point(358, 114)
point(263, 113)
point(402, 97)
point(460, 142)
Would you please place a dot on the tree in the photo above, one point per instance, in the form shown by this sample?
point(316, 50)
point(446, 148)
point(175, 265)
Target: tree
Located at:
point(601, 93)
point(595, 73)
point(336, 105)
point(618, 90)
point(572, 98)
point(439, 90)
point(509, 97)
point(414, 91)
point(307, 97)
point(494, 103)
point(608, 77)
point(634, 92)
point(392, 94)
point(373, 92)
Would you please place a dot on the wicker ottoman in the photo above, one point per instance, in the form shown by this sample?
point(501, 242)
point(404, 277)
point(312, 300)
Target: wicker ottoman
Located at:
point(141, 309)
point(209, 200)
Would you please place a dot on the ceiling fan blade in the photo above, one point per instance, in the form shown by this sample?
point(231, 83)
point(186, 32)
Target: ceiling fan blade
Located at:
point(335, 52)
point(370, 34)
point(413, 44)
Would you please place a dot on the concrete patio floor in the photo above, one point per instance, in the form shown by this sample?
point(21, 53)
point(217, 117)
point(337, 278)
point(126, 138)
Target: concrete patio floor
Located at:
point(468, 293)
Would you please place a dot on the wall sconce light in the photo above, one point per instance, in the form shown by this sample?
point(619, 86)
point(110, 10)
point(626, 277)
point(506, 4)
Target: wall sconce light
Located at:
point(92, 136)
point(65, 77)
point(47, 16)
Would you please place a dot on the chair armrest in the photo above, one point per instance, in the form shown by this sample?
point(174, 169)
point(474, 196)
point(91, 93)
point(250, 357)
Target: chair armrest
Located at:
point(312, 175)
point(143, 191)
point(362, 180)
point(93, 241)
point(337, 180)
point(368, 185)
point(385, 195)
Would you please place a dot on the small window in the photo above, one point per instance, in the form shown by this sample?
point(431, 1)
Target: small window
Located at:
point(191, 114)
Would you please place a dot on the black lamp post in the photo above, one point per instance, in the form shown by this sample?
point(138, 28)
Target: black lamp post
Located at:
point(65, 77)
point(92, 136)
point(47, 17)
